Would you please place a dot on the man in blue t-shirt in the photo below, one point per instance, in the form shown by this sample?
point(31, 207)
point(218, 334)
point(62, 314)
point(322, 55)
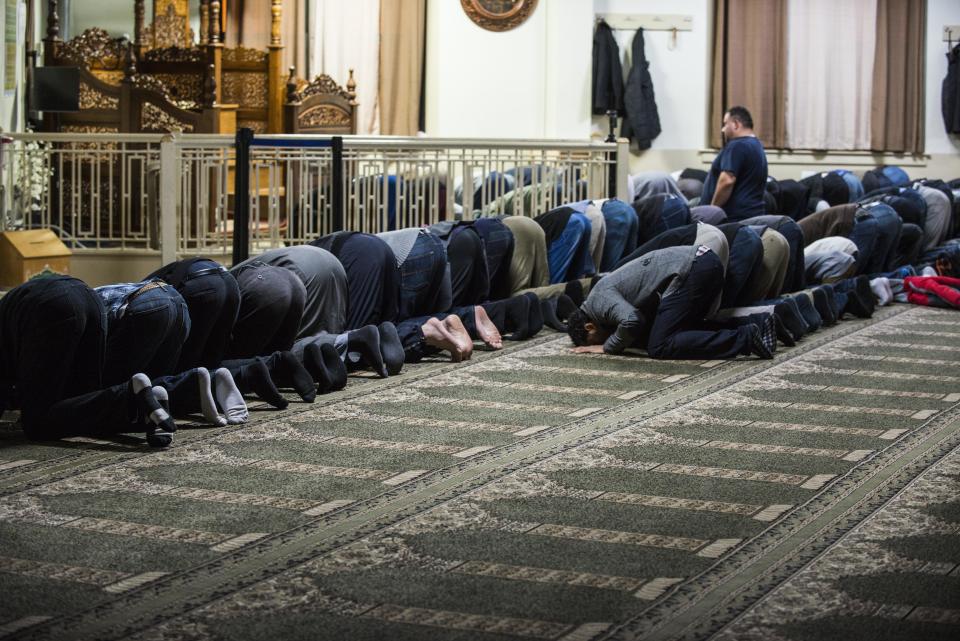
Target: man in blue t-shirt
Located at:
point(738, 176)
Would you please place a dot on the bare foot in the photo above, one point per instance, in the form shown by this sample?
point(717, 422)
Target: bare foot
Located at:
point(437, 335)
point(455, 326)
point(486, 330)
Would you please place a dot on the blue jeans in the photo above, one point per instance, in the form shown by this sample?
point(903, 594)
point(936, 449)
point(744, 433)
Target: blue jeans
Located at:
point(675, 213)
point(424, 279)
point(569, 255)
point(148, 336)
point(864, 235)
point(622, 228)
point(884, 252)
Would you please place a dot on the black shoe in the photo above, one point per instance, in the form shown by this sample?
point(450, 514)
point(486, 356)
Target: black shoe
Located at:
point(760, 342)
point(857, 307)
point(565, 307)
point(548, 310)
point(574, 290)
point(783, 334)
point(391, 348)
point(832, 299)
point(795, 308)
point(822, 305)
point(810, 315)
point(791, 319)
point(863, 289)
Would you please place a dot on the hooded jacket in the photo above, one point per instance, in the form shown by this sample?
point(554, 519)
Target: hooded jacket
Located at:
point(642, 123)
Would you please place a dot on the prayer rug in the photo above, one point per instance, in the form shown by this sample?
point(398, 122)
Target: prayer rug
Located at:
point(528, 494)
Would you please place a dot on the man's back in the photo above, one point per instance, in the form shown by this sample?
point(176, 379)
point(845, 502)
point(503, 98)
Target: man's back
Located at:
point(744, 158)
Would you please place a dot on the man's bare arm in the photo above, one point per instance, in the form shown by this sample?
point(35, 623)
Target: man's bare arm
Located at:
point(724, 188)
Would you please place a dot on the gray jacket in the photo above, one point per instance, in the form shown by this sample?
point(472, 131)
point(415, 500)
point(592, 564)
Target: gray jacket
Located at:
point(623, 298)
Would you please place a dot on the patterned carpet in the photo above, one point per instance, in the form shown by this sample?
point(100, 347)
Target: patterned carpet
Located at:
point(529, 494)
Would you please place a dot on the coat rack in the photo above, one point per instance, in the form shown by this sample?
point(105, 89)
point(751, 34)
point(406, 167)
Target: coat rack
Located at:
point(951, 33)
point(649, 21)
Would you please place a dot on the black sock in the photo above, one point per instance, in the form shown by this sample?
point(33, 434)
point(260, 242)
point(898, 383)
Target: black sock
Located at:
point(857, 307)
point(256, 378)
point(574, 290)
point(790, 319)
point(823, 307)
point(810, 314)
point(391, 348)
point(832, 300)
point(867, 297)
point(535, 319)
point(313, 362)
point(565, 307)
point(518, 318)
point(548, 310)
point(366, 342)
point(335, 367)
point(289, 372)
point(783, 334)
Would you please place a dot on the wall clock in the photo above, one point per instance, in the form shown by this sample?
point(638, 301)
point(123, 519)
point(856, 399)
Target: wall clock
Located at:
point(499, 15)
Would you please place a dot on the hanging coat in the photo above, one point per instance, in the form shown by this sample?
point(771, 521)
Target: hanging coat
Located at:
point(642, 122)
point(607, 73)
point(950, 92)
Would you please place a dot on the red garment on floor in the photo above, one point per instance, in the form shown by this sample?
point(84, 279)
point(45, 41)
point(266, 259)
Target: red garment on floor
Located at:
point(934, 291)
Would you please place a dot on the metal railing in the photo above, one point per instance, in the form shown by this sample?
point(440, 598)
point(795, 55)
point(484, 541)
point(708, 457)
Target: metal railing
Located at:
point(178, 195)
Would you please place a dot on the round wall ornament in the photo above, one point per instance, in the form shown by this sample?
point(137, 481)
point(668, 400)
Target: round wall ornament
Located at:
point(499, 15)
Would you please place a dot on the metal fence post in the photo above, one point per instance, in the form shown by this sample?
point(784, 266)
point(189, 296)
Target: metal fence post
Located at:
point(623, 170)
point(168, 200)
point(241, 197)
point(337, 179)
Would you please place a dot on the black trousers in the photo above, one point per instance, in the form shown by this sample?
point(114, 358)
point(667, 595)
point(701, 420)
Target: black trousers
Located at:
point(498, 244)
point(271, 305)
point(53, 338)
point(909, 246)
point(213, 302)
point(373, 280)
point(678, 330)
point(469, 280)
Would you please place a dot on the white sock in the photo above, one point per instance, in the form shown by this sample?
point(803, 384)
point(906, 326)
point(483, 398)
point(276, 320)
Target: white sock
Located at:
point(889, 287)
point(928, 271)
point(208, 407)
point(880, 291)
point(162, 396)
point(140, 382)
point(229, 397)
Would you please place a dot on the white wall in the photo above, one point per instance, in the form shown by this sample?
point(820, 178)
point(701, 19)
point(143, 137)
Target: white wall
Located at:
point(529, 82)
point(679, 74)
point(534, 81)
point(939, 14)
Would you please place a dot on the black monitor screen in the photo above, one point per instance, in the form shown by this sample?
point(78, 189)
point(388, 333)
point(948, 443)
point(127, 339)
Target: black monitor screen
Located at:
point(56, 89)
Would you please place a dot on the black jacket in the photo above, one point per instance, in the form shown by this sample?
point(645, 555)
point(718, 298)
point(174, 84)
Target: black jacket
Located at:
point(607, 72)
point(950, 92)
point(642, 123)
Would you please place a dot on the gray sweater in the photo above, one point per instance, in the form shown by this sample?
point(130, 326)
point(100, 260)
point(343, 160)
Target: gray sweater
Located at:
point(617, 299)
